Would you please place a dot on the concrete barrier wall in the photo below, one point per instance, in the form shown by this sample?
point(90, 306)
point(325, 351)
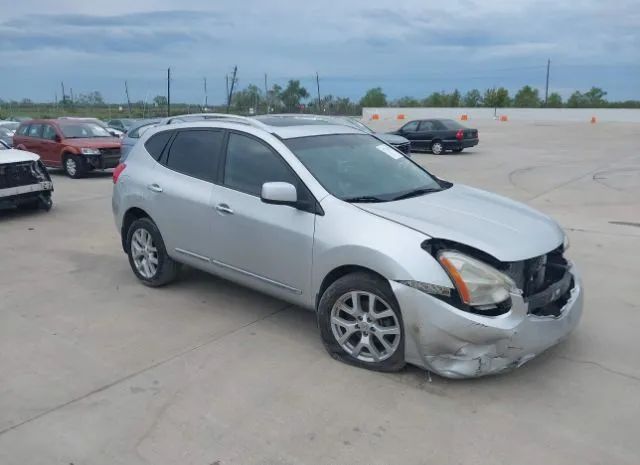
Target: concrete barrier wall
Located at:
point(515, 114)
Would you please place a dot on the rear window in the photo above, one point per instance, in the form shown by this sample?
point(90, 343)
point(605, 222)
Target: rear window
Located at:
point(156, 143)
point(452, 124)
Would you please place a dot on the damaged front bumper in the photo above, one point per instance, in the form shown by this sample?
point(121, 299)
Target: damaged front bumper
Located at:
point(458, 344)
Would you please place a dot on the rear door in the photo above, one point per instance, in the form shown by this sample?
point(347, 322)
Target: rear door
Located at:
point(179, 191)
point(265, 246)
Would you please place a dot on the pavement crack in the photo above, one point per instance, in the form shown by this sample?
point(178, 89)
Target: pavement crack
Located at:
point(602, 367)
point(142, 370)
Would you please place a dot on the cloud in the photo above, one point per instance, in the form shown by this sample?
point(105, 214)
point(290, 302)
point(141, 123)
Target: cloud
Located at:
point(413, 46)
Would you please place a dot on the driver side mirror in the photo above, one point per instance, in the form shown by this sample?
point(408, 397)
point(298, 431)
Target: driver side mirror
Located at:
point(279, 193)
point(57, 138)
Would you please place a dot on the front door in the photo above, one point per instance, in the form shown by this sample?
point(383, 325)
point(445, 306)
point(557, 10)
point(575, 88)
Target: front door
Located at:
point(265, 246)
point(50, 151)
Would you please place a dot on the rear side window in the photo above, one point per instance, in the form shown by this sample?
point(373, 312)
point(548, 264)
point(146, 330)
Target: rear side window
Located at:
point(427, 126)
point(35, 130)
point(156, 143)
point(196, 153)
point(251, 163)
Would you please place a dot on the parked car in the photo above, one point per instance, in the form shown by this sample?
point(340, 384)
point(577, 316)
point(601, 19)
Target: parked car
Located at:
point(439, 135)
point(4, 145)
point(24, 181)
point(399, 266)
point(6, 136)
point(399, 142)
point(9, 125)
point(122, 124)
point(75, 145)
point(132, 136)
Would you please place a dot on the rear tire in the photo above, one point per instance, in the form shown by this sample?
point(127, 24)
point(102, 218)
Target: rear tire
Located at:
point(437, 148)
point(148, 255)
point(360, 333)
point(74, 166)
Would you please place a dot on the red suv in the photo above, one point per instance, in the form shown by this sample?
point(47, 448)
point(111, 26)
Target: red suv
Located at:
point(75, 145)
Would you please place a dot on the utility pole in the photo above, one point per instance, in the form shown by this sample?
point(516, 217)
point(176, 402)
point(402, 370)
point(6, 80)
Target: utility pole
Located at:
point(64, 98)
point(168, 91)
point(546, 88)
point(318, 84)
point(71, 95)
point(206, 98)
point(233, 83)
point(266, 93)
point(126, 91)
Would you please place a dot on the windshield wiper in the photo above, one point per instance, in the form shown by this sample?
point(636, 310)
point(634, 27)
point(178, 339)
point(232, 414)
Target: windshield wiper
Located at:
point(417, 192)
point(364, 198)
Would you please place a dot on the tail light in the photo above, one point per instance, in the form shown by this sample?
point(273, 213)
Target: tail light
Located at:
point(118, 171)
point(459, 134)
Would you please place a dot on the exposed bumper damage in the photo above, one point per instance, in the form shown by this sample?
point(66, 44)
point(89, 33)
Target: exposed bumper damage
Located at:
point(458, 344)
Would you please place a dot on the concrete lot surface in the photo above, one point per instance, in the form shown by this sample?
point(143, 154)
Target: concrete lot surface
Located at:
point(98, 369)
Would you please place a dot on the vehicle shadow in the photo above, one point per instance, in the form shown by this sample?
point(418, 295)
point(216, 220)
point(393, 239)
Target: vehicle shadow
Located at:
point(59, 172)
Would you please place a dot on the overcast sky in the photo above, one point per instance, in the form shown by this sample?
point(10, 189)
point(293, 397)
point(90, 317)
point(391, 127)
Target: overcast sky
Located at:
point(410, 47)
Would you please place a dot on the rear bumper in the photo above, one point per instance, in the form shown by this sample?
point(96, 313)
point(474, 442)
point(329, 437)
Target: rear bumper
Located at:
point(457, 344)
point(463, 144)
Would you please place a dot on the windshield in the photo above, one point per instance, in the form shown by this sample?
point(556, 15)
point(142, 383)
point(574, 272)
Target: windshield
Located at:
point(77, 130)
point(359, 168)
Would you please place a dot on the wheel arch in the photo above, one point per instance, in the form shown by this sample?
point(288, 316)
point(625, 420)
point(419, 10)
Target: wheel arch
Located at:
point(131, 215)
point(338, 273)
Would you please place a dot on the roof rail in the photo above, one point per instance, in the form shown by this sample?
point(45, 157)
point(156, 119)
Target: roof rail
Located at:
point(225, 116)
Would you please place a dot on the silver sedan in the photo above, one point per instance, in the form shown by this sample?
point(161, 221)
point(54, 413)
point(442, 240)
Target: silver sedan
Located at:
point(398, 265)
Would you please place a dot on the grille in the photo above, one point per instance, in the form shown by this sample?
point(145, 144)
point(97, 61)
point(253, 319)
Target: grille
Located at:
point(17, 174)
point(538, 273)
point(110, 152)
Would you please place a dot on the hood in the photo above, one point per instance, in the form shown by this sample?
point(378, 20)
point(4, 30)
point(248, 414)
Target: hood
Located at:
point(94, 142)
point(16, 156)
point(508, 230)
point(392, 139)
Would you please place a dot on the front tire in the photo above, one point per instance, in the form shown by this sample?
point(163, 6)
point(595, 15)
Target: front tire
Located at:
point(74, 166)
point(361, 324)
point(437, 148)
point(148, 256)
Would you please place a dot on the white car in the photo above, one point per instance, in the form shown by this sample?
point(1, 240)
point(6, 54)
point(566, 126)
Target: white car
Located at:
point(24, 181)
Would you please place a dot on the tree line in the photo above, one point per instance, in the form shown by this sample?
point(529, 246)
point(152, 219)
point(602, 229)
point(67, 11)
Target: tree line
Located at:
point(295, 98)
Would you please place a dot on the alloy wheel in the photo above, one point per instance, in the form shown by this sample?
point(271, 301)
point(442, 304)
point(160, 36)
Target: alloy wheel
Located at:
point(144, 253)
point(437, 148)
point(365, 326)
point(70, 166)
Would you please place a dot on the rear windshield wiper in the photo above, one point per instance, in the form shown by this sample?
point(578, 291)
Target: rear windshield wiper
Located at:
point(364, 198)
point(417, 192)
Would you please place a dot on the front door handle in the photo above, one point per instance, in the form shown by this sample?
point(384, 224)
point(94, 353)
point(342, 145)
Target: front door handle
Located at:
point(154, 188)
point(224, 208)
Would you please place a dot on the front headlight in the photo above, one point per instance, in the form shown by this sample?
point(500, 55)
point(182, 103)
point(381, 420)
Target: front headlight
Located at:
point(88, 151)
point(478, 284)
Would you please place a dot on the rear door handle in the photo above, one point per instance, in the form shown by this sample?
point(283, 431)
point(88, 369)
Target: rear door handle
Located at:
point(154, 188)
point(224, 208)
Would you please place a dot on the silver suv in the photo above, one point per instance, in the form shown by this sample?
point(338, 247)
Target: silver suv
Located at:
point(399, 266)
